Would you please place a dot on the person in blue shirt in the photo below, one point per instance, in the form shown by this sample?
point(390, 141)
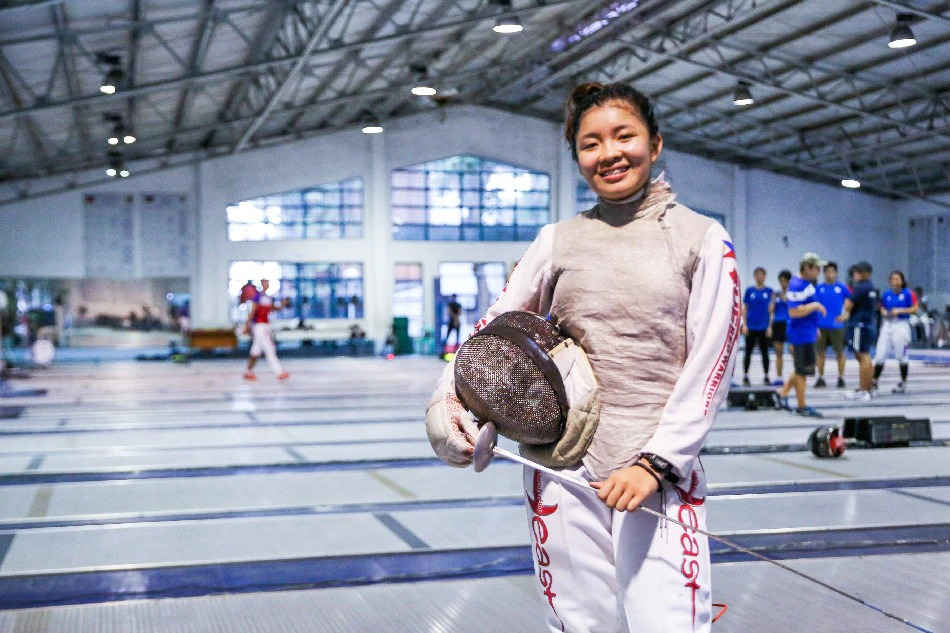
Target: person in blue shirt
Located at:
point(804, 314)
point(831, 294)
point(779, 311)
point(756, 323)
point(897, 304)
point(860, 310)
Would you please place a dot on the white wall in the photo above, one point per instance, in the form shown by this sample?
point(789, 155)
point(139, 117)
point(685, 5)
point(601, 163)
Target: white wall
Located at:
point(908, 209)
point(43, 238)
point(839, 224)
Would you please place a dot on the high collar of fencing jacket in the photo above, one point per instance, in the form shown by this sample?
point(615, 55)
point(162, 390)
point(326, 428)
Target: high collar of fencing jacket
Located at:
point(652, 197)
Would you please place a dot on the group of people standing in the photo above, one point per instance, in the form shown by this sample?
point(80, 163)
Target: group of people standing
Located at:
point(812, 316)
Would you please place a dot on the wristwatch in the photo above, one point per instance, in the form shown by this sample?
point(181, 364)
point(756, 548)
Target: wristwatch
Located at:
point(662, 467)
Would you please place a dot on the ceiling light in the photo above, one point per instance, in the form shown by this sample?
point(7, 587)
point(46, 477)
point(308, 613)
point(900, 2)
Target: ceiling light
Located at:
point(113, 140)
point(508, 25)
point(420, 74)
point(742, 96)
point(116, 166)
point(901, 35)
point(850, 183)
point(129, 139)
point(372, 129)
point(112, 81)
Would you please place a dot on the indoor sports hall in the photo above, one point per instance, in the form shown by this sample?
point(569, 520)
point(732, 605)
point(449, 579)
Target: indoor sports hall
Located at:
point(254, 262)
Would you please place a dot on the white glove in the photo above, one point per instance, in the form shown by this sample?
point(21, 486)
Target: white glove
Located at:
point(451, 429)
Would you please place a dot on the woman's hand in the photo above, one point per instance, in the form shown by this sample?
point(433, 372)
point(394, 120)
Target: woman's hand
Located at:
point(626, 488)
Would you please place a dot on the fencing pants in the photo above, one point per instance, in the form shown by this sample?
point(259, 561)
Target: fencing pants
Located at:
point(591, 561)
point(894, 338)
point(263, 343)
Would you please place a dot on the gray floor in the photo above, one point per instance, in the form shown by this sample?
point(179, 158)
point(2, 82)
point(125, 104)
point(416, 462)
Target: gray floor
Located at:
point(147, 466)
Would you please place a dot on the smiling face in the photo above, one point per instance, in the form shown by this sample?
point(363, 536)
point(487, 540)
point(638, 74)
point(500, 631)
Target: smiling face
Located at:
point(614, 150)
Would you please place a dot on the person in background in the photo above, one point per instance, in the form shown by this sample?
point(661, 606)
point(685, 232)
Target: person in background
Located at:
point(184, 319)
point(920, 322)
point(898, 303)
point(804, 313)
point(248, 292)
point(859, 311)
point(756, 323)
point(779, 315)
point(455, 320)
point(831, 294)
point(258, 326)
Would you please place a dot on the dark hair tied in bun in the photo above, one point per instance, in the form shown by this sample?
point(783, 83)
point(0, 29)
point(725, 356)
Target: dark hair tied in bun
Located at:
point(587, 95)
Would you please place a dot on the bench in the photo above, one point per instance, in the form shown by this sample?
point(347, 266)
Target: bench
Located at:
point(212, 338)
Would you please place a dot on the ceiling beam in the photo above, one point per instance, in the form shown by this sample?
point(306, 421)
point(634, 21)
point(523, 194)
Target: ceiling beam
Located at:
point(316, 39)
point(249, 68)
point(199, 49)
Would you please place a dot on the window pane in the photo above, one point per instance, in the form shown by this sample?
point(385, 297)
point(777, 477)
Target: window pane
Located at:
point(439, 196)
point(312, 213)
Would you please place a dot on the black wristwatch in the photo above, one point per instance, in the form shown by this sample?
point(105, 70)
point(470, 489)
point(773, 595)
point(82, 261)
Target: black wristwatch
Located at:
point(662, 467)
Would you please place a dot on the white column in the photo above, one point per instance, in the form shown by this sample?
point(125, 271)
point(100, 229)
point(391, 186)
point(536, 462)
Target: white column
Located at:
point(738, 230)
point(565, 180)
point(378, 268)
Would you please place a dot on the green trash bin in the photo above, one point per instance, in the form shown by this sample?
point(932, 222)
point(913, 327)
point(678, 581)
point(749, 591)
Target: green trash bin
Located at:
point(403, 342)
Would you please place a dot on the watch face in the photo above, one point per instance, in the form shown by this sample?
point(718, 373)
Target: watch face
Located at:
point(658, 462)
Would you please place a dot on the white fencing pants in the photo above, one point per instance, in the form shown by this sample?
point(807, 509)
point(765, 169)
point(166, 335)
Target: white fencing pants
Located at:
point(263, 343)
point(590, 561)
point(894, 338)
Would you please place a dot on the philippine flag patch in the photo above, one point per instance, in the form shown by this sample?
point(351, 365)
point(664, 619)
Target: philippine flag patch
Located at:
point(730, 251)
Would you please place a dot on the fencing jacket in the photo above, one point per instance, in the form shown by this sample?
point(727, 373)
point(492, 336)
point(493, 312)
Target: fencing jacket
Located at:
point(650, 290)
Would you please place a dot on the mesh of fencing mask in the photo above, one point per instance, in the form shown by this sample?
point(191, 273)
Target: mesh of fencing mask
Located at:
point(505, 374)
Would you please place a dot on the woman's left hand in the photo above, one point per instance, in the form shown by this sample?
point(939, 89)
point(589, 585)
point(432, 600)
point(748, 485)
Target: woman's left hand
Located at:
point(626, 488)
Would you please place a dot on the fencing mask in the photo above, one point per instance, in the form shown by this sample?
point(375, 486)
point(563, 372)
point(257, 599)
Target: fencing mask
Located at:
point(533, 383)
point(826, 441)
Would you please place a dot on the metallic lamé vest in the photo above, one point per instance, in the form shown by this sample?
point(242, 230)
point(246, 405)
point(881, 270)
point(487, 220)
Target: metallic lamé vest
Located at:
point(622, 277)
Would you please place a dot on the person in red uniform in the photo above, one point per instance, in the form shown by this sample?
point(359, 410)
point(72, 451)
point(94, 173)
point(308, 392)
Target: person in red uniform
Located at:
point(258, 326)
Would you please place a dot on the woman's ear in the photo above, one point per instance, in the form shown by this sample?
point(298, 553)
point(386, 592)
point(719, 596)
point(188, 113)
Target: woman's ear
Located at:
point(656, 146)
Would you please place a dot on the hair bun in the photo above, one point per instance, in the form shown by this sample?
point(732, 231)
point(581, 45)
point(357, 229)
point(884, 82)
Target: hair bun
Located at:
point(581, 92)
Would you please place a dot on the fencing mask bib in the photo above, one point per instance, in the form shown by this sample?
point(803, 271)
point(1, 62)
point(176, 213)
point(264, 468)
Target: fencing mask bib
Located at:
point(536, 385)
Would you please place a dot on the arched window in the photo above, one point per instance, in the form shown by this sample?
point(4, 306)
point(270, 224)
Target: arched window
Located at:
point(469, 198)
point(330, 211)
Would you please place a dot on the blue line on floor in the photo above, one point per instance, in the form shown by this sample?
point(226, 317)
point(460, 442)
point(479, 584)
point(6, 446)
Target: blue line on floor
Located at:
point(213, 471)
point(297, 455)
point(20, 479)
point(123, 450)
point(400, 530)
point(5, 541)
point(280, 401)
point(453, 504)
point(355, 508)
point(186, 427)
point(942, 502)
point(36, 590)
